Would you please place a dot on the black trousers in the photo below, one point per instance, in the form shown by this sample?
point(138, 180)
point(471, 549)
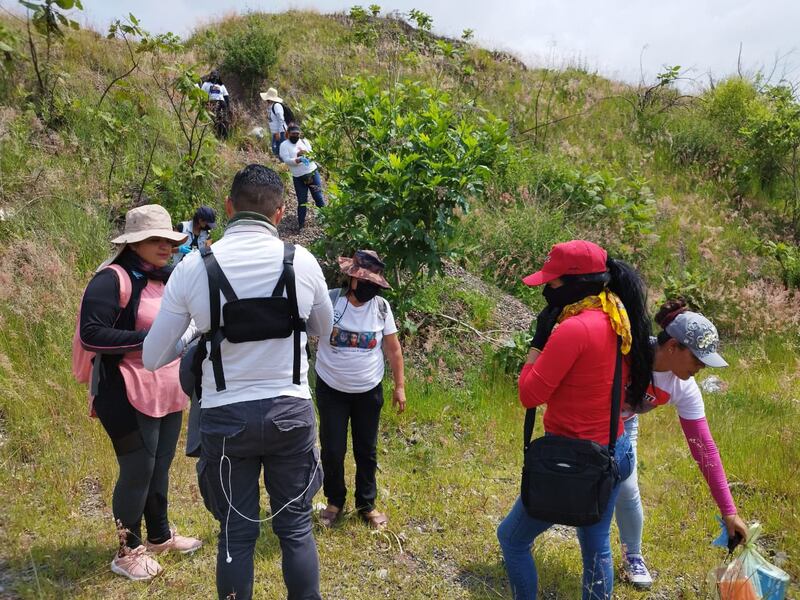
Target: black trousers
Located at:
point(363, 412)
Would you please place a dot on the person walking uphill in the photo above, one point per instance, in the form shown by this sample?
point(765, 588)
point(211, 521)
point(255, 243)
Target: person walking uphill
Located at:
point(598, 304)
point(305, 174)
point(140, 410)
point(687, 343)
point(278, 119)
point(349, 370)
point(256, 409)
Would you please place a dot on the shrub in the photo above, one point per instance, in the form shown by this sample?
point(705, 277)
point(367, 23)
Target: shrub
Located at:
point(404, 164)
point(249, 53)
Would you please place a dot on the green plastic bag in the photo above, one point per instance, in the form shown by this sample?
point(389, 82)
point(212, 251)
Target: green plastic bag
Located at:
point(749, 576)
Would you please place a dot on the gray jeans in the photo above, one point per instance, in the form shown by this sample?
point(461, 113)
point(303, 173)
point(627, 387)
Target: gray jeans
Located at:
point(278, 435)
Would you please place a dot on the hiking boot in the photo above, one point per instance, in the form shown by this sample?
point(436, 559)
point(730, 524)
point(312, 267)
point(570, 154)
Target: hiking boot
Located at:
point(636, 571)
point(175, 543)
point(135, 564)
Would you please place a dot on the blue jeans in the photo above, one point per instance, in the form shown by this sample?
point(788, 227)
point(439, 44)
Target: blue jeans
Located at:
point(302, 185)
point(276, 142)
point(630, 515)
point(518, 530)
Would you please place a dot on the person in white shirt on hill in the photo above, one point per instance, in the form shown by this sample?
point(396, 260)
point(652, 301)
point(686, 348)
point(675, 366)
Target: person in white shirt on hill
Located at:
point(305, 173)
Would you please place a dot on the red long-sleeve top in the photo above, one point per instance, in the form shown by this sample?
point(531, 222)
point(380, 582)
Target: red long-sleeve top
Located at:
point(573, 377)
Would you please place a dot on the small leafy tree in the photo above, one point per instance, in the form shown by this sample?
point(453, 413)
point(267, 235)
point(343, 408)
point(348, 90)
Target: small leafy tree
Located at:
point(48, 20)
point(772, 134)
point(404, 164)
point(250, 53)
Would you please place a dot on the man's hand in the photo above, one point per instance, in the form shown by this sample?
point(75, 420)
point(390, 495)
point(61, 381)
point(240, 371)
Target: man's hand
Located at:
point(399, 399)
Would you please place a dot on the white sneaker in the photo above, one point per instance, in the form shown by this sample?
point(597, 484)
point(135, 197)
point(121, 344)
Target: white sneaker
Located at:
point(636, 572)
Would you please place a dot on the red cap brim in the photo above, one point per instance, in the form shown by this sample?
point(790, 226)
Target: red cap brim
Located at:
point(539, 278)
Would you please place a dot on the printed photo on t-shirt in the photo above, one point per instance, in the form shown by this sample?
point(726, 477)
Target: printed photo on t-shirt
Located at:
point(364, 340)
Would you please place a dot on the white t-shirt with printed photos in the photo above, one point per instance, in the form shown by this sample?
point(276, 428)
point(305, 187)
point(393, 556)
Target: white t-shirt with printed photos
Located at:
point(351, 360)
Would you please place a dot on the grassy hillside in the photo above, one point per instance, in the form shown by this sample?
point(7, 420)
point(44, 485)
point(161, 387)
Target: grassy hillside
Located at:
point(653, 177)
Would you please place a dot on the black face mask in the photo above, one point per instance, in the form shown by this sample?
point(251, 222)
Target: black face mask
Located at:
point(294, 138)
point(570, 292)
point(366, 291)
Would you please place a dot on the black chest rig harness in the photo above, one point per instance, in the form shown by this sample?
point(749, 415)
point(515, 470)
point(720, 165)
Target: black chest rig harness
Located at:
point(250, 319)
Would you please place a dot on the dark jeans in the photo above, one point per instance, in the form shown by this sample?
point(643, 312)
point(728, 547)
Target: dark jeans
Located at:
point(143, 481)
point(363, 412)
point(276, 143)
point(278, 435)
point(302, 185)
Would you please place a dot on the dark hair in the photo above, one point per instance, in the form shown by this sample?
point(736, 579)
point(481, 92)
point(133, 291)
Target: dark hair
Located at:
point(205, 213)
point(666, 315)
point(627, 283)
point(214, 77)
point(258, 189)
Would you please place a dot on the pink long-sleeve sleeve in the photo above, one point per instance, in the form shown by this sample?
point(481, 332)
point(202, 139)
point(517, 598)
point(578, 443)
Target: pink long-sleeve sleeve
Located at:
point(705, 453)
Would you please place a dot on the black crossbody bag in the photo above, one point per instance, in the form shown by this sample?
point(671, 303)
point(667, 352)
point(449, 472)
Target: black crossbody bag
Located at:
point(569, 481)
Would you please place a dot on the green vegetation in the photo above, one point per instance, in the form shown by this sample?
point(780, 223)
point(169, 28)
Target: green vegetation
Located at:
point(403, 164)
point(699, 193)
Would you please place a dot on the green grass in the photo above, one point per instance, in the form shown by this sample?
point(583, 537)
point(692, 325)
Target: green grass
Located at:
point(449, 471)
point(450, 465)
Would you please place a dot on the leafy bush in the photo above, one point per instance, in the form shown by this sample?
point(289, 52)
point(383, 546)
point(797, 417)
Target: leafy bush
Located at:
point(250, 53)
point(788, 257)
point(404, 165)
point(625, 205)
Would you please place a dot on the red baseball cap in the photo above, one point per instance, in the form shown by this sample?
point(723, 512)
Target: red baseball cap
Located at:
point(577, 257)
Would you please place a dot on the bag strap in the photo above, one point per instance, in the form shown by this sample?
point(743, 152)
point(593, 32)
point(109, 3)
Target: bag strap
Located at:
point(216, 282)
point(291, 293)
point(616, 394)
point(616, 397)
point(530, 419)
point(125, 284)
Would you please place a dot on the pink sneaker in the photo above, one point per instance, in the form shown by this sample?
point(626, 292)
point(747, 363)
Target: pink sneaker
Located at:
point(176, 543)
point(135, 564)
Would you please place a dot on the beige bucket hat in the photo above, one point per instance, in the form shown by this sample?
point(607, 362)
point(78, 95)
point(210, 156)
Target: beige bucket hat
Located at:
point(271, 95)
point(143, 222)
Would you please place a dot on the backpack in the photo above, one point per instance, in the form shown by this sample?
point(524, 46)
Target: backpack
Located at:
point(288, 115)
point(383, 307)
point(84, 366)
point(247, 319)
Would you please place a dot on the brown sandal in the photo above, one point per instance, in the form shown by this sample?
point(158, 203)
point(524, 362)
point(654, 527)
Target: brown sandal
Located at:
point(328, 517)
point(376, 520)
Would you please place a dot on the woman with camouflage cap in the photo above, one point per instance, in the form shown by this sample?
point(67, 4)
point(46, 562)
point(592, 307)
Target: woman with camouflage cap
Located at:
point(350, 367)
point(687, 343)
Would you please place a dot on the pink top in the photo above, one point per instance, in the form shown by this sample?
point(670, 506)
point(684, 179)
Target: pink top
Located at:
point(154, 393)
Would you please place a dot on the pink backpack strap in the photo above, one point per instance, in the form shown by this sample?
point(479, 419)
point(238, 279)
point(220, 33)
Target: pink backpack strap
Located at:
point(125, 285)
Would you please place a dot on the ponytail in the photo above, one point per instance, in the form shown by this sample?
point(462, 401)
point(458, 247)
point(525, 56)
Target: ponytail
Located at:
point(629, 286)
point(666, 315)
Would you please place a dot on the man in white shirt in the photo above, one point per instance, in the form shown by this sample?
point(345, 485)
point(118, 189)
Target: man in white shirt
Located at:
point(305, 174)
point(260, 414)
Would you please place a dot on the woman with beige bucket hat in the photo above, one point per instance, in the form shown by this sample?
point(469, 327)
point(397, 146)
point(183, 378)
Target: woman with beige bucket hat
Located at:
point(279, 118)
point(140, 410)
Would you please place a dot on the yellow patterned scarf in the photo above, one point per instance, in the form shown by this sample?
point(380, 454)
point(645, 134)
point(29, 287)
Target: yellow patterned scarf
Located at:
point(610, 304)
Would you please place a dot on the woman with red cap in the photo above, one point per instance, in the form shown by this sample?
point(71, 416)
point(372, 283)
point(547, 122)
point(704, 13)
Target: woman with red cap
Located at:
point(350, 367)
point(592, 301)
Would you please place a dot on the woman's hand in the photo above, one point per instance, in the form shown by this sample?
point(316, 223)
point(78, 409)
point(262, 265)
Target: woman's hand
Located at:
point(735, 525)
point(399, 399)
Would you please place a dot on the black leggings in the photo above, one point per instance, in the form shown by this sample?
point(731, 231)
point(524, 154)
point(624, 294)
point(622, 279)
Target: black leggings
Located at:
point(362, 411)
point(144, 458)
